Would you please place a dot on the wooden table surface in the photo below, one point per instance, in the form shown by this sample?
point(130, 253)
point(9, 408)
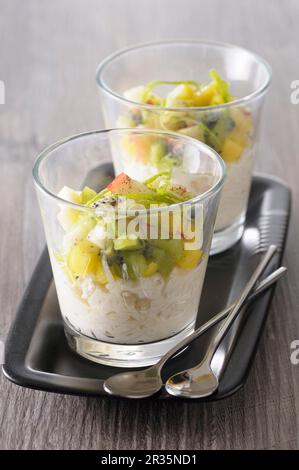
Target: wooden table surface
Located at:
point(48, 55)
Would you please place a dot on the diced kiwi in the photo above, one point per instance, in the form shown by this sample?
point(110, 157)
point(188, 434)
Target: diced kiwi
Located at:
point(172, 248)
point(126, 244)
point(223, 126)
point(157, 151)
point(134, 264)
point(162, 259)
point(197, 131)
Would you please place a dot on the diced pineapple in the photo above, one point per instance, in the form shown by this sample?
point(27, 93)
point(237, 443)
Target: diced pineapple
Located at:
point(78, 261)
point(78, 232)
point(87, 194)
point(190, 259)
point(81, 261)
point(231, 151)
point(70, 195)
point(66, 216)
point(97, 236)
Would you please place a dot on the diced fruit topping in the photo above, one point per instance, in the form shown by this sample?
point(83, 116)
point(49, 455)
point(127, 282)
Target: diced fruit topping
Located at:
point(123, 184)
point(88, 249)
point(210, 126)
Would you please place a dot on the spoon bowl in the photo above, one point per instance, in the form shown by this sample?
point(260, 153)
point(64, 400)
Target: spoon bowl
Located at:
point(138, 384)
point(193, 383)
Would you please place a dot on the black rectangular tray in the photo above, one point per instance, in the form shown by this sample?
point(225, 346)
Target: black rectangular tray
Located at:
point(36, 351)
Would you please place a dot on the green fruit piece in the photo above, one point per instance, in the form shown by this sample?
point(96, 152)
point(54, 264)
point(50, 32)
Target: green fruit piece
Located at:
point(173, 248)
point(223, 126)
point(134, 264)
point(116, 270)
point(157, 151)
point(127, 244)
point(162, 258)
point(197, 132)
point(87, 194)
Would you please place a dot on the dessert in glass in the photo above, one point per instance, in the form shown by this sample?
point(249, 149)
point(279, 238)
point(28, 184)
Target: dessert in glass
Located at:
point(128, 254)
point(210, 91)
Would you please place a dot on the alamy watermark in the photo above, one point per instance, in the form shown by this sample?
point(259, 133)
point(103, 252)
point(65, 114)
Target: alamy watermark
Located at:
point(295, 93)
point(156, 222)
point(294, 357)
point(2, 92)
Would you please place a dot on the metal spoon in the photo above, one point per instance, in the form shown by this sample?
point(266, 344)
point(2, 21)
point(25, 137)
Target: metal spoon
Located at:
point(200, 381)
point(147, 382)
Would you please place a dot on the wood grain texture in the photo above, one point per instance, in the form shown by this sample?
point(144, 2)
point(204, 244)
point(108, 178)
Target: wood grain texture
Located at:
point(48, 55)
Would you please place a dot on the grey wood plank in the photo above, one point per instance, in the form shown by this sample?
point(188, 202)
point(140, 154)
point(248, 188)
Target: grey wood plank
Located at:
point(49, 52)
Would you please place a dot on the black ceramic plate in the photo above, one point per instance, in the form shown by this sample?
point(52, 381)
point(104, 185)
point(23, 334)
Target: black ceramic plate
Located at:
point(37, 354)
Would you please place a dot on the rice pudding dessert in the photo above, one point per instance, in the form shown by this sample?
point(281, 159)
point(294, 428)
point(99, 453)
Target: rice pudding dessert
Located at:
point(119, 287)
point(228, 130)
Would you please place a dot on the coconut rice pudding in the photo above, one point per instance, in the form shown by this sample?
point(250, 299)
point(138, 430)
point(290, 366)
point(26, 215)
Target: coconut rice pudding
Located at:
point(118, 287)
point(226, 130)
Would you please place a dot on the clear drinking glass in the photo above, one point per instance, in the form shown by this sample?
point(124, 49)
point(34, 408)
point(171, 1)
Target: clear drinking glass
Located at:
point(126, 305)
point(231, 129)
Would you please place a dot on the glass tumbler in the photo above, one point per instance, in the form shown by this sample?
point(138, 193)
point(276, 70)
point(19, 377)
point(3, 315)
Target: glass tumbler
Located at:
point(231, 128)
point(128, 276)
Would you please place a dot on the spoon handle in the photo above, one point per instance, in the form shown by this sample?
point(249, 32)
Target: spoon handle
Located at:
point(239, 303)
point(259, 289)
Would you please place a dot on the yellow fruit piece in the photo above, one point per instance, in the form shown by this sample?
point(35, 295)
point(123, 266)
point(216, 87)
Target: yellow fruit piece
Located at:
point(217, 99)
point(81, 262)
point(190, 259)
point(138, 146)
point(151, 269)
point(239, 136)
point(87, 247)
point(183, 94)
point(205, 96)
point(231, 151)
point(243, 119)
point(184, 91)
point(78, 261)
point(100, 273)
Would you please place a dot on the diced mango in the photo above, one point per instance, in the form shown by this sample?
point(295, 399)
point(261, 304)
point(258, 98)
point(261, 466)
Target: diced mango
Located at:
point(138, 146)
point(243, 119)
point(87, 247)
point(100, 274)
point(180, 95)
point(190, 259)
point(205, 96)
point(239, 136)
point(151, 269)
point(217, 99)
point(231, 151)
